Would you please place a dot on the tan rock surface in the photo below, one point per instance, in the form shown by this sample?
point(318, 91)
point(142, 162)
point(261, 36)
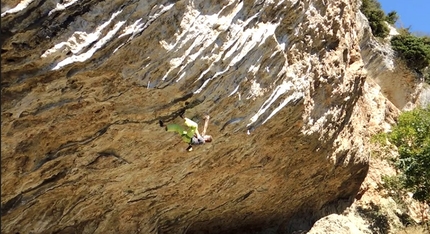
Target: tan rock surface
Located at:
point(84, 84)
point(396, 82)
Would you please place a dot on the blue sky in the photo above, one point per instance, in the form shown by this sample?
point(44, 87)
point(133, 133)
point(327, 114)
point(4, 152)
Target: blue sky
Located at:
point(413, 13)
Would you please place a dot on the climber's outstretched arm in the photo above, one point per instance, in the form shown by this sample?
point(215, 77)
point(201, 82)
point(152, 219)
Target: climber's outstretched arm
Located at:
point(206, 124)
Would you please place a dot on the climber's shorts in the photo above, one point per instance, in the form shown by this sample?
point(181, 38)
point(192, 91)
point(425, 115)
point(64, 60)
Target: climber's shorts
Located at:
point(197, 140)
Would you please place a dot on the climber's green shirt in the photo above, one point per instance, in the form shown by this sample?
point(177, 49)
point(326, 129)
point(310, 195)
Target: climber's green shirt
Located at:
point(186, 135)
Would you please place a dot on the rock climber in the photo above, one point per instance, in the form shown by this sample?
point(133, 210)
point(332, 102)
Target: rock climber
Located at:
point(190, 135)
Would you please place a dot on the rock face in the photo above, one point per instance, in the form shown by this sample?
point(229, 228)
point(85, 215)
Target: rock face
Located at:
point(394, 80)
point(84, 84)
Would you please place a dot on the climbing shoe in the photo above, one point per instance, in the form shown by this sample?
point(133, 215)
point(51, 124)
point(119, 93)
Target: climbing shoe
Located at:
point(182, 113)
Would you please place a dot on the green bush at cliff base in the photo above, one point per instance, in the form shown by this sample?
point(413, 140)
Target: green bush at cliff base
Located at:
point(412, 137)
point(415, 51)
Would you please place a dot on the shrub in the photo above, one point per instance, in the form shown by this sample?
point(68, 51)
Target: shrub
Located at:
point(376, 17)
point(377, 218)
point(426, 75)
point(415, 51)
point(392, 17)
point(412, 137)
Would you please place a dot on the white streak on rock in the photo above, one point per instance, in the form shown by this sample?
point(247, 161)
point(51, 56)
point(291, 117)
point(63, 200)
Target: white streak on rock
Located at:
point(135, 27)
point(61, 7)
point(208, 80)
point(295, 96)
point(139, 28)
point(79, 40)
point(280, 90)
point(234, 91)
point(89, 53)
point(21, 6)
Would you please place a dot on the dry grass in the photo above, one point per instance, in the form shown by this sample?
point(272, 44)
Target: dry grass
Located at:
point(414, 230)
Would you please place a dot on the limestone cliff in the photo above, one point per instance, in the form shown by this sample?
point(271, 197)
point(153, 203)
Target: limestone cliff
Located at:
point(389, 89)
point(84, 84)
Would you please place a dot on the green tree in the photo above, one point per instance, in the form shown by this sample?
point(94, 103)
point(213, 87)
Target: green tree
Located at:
point(415, 51)
point(376, 17)
point(392, 17)
point(412, 137)
point(426, 75)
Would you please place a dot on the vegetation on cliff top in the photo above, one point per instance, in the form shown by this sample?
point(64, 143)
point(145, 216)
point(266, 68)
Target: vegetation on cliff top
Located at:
point(413, 50)
point(377, 18)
